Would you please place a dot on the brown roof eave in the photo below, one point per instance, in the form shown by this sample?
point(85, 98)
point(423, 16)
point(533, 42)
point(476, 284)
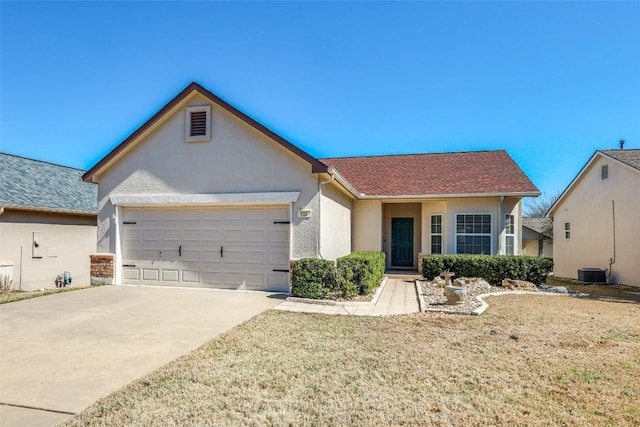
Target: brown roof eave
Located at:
point(316, 165)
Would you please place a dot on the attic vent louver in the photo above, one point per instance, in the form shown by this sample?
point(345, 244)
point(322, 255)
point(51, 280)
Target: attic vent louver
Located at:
point(604, 173)
point(198, 123)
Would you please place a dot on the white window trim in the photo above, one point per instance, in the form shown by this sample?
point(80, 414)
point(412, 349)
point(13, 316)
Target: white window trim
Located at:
point(187, 125)
point(507, 234)
point(441, 234)
point(567, 230)
point(455, 243)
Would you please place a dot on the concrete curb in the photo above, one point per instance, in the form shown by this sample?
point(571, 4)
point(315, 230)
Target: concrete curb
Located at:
point(422, 304)
point(374, 301)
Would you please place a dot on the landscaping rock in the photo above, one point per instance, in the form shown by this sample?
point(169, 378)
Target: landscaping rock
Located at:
point(520, 285)
point(472, 282)
point(438, 281)
point(555, 289)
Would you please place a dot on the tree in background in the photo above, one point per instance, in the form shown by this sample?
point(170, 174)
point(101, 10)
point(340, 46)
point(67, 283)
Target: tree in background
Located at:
point(538, 207)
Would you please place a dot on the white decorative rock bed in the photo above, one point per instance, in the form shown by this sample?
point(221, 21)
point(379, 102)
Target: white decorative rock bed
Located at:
point(432, 299)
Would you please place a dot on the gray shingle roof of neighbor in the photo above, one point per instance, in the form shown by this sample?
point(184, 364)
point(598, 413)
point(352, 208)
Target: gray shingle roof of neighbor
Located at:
point(35, 184)
point(630, 157)
point(537, 224)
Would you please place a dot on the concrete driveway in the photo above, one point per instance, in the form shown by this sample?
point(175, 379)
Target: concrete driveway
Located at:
point(60, 353)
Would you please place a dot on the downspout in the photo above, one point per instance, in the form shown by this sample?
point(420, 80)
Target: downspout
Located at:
point(613, 260)
point(500, 226)
point(320, 184)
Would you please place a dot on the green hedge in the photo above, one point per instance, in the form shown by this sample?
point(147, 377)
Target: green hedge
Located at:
point(355, 274)
point(313, 278)
point(493, 269)
point(360, 272)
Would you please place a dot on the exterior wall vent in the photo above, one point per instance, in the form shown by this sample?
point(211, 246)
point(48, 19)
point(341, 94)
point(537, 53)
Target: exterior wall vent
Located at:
point(604, 173)
point(592, 275)
point(198, 124)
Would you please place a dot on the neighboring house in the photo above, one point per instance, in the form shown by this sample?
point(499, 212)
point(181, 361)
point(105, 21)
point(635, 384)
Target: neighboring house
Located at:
point(47, 222)
point(203, 195)
point(597, 219)
point(537, 237)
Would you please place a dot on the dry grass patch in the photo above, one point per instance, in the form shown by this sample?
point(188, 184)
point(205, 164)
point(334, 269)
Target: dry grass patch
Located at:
point(13, 295)
point(528, 361)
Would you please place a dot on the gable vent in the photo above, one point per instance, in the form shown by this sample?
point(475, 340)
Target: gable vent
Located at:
point(198, 123)
point(604, 173)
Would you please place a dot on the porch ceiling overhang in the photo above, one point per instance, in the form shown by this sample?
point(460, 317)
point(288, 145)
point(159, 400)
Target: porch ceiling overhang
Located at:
point(142, 200)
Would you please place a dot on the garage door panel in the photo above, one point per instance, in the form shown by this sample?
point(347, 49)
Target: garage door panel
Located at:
point(279, 236)
point(151, 274)
point(150, 254)
point(191, 255)
point(211, 256)
point(233, 256)
point(189, 276)
point(170, 275)
point(131, 274)
point(279, 257)
point(255, 257)
point(182, 246)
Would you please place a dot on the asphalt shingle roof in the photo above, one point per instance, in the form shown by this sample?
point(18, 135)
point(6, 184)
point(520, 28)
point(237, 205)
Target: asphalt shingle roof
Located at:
point(474, 172)
point(630, 157)
point(36, 184)
point(537, 224)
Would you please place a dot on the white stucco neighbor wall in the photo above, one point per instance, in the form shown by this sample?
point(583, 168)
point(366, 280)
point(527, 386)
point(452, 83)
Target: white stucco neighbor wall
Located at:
point(65, 243)
point(589, 209)
point(238, 159)
point(366, 220)
point(335, 220)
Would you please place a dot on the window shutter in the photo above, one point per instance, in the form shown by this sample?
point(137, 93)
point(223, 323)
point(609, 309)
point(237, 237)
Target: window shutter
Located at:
point(198, 123)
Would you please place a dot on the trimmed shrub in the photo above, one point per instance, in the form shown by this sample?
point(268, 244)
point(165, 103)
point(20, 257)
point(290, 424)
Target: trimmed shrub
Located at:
point(492, 268)
point(360, 272)
point(355, 274)
point(313, 278)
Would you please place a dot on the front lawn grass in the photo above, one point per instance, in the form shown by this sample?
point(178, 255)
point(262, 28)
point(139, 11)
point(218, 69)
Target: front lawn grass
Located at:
point(528, 361)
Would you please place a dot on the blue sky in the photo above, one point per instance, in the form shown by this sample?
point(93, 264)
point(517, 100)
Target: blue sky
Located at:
point(550, 82)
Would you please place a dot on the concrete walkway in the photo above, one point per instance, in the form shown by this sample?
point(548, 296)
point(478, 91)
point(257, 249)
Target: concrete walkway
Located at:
point(398, 297)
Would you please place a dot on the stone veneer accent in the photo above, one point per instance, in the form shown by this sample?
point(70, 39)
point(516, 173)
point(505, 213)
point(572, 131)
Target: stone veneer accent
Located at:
point(102, 269)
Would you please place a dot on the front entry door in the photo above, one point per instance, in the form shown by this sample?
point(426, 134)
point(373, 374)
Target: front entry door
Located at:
point(402, 242)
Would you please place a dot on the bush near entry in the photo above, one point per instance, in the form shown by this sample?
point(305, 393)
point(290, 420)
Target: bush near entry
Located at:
point(492, 268)
point(355, 274)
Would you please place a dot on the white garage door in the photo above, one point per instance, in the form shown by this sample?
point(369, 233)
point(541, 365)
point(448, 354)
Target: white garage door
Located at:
point(222, 247)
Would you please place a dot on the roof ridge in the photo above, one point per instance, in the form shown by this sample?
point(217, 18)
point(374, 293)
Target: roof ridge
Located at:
point(41, 161)
point(413, 154)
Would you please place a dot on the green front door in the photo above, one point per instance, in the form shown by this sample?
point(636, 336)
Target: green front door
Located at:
point(402, 242)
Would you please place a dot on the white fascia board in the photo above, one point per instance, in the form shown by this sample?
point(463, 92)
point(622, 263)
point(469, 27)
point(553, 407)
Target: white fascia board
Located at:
point(48, 210)
point(269, 198)
point(342, 180)
point(451, 196)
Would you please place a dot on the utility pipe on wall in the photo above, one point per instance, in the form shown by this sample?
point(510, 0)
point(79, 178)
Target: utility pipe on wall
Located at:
point(613, 215)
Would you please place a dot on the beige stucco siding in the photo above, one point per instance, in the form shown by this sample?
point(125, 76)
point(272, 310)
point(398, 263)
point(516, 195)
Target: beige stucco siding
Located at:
point(589, 209)
point(530, 248)
point(238, 159)
point(65, 243)
point(491, 205)
point(366, 220)
point(433, 207)
point(335, 219)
